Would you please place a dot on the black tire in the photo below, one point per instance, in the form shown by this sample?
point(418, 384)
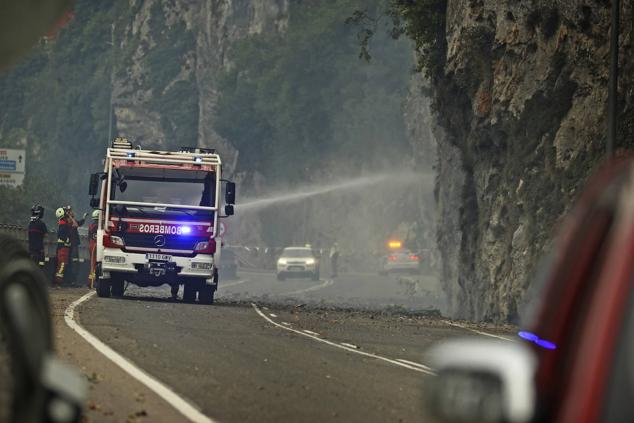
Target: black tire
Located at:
point(102, 285)
point(281, 276)
point(103, 288)
point(206, 294)
point(117, 287)
point(189, 292)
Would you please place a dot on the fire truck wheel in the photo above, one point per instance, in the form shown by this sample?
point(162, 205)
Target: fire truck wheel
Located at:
point(206, 294)
point(103, 288)
point(118, 286)
point(189, 292)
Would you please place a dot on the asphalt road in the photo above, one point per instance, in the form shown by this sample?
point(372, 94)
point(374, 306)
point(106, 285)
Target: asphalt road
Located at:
point(268, 362)
point(349, 290)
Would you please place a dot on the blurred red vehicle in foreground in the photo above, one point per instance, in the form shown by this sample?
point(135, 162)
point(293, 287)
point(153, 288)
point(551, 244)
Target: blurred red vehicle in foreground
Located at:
point(575, 361)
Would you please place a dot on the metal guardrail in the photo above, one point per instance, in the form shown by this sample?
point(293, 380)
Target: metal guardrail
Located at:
point(50, 249)
point(50, 244)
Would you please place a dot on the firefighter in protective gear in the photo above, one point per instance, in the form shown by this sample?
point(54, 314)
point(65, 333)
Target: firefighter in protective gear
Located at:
point(63, 245)
point(37, 234)
point(92, 236)
point(74, 243)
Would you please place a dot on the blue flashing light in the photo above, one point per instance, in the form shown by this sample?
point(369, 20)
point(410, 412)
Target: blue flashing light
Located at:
point(130, 154)
point(531, 337)
point(528, 336)
point(546, 344)
point(198, 159)
point(186, 230)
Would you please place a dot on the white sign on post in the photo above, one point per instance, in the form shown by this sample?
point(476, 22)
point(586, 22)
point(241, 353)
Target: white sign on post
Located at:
point(12, 166)
point(12, 160)
point(11, 179)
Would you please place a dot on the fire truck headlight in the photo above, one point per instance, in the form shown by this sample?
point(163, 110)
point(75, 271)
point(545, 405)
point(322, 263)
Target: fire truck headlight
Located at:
point(116, 240)
point(310, 261)
point(202, 245)
point(282, 261)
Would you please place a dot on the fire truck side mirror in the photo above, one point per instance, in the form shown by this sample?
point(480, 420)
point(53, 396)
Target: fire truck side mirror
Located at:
point(230, 193)
point(229, 210)
point(94, 184)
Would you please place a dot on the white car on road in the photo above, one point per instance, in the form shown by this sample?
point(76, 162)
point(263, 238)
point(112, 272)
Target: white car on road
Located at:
point(298, 261)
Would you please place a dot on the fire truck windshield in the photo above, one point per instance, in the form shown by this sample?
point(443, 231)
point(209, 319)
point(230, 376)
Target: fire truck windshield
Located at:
point(164, 186)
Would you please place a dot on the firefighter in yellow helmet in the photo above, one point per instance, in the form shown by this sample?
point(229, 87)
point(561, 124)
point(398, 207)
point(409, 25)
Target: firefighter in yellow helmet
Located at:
point(63, 245)
point(74, 243)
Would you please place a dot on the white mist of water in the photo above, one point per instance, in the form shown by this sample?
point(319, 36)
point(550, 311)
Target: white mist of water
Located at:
point(315, 190)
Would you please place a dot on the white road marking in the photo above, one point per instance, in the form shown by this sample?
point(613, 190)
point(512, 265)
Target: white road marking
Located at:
point(343, 347)
point(226, 285)
point(345, 344)
point(458, 325)
point(180, 404)
point(257, 272)
point(286, 323)
point(413, 363)
point(324, 284)
point(310, 332)
point(272, 315)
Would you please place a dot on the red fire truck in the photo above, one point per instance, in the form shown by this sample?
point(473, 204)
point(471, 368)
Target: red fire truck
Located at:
point(159, 219)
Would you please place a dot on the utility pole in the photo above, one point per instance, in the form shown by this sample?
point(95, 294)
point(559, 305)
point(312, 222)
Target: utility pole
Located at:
point(613, 81)
point(111, 88)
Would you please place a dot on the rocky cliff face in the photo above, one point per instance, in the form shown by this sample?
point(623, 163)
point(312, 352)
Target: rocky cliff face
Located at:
point(422, 135)
point(175, 50)
point(523, 105)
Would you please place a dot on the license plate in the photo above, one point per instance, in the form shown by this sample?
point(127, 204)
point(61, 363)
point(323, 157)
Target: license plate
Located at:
point(159, 257)
point(296, 268)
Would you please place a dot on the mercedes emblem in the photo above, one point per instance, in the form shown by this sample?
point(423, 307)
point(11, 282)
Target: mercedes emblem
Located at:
point(159, 240)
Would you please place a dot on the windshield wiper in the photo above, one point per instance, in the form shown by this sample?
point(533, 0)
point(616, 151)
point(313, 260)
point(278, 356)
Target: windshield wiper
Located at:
point(183, 211)
point(140, 210)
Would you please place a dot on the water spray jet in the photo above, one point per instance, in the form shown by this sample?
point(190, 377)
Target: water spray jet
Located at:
point(315, 190)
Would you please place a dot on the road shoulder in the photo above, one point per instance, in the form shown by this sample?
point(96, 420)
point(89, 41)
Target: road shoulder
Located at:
point(113, 395)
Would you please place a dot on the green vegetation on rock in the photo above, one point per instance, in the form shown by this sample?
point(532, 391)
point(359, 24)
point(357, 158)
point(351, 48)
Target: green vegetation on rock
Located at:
point(421, 21)
point(56, 102)
point(293, 103)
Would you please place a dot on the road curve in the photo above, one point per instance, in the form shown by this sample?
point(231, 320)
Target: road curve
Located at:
point(237, 363)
